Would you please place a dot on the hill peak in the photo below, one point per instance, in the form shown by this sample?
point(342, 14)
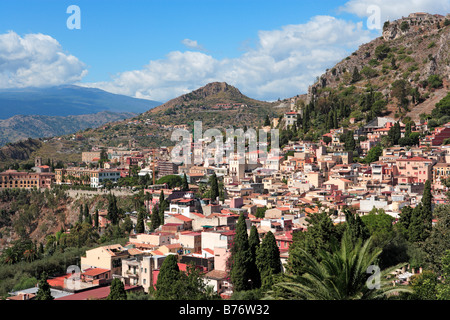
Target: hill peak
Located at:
point(212, 89)
point(207, 96)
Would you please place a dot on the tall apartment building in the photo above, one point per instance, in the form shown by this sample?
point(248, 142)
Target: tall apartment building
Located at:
point(166, 168)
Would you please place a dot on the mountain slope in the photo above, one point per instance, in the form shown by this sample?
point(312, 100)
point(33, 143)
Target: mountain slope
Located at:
point(411, 50)
point(67, 100)
point(21, 127)
point(217, 105)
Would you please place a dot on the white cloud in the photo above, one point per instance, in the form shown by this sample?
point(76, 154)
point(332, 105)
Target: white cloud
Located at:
point(192, 44)
point(36, 60)
point(392, 10)
point(283, 64)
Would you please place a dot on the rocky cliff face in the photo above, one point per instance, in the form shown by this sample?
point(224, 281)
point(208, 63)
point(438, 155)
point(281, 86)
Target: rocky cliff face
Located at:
point(417, 47)
point(414, 24)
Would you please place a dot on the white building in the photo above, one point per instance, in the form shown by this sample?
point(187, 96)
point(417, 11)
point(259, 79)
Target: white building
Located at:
point(99, 177)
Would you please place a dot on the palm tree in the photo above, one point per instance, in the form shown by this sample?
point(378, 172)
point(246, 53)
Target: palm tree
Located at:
point(341, 274)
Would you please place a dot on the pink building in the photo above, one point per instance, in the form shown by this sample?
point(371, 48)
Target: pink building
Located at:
point(420, 169)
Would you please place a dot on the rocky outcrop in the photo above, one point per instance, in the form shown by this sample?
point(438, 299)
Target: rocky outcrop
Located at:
point(419, 43)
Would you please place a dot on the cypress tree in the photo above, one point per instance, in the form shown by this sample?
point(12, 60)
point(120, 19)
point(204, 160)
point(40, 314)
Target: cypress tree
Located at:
point(113, 211)
point(254, 244)
point(86, 211)
point(167, 286)
point(117, 290)
point(356, 227)
point(185, 185)
point(417, 229)
point(241, 257)
point(44, 292)
point(214, 187)
point(163, 206)
point(427, 198)
point(267, 121)
point(96, 224)
point(81, 214)
point(89, 219)
point(405, 219)
point(268, 259)
point(155, 221)
point(161, 197)
point(140, 228)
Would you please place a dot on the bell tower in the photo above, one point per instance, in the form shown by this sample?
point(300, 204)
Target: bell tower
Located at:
point(38, 162)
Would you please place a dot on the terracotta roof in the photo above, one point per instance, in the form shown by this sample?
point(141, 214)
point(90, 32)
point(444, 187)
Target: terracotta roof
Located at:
point(157, 253)
point(216, 274)
point(134, 251)
point(98, 293)
point(198, 214)
point(95, 271)
point(209, 250)
point(182, 218)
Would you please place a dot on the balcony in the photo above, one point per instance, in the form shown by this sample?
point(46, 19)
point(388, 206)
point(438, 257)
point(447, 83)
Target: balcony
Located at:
point(132, 273)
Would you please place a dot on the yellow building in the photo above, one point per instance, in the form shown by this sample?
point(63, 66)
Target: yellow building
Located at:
point(27, 180)
point(106, 257)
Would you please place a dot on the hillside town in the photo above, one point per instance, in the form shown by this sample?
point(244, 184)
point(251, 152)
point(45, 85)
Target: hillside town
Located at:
point(275, 194)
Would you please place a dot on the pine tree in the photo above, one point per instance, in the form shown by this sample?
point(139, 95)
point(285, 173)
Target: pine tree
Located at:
point(44, 292)
point(241, 257)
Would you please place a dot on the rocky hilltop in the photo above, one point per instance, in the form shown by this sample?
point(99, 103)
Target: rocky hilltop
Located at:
point(412, 49)
point(209, 96)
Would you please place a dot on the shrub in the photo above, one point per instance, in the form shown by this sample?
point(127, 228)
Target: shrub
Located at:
point(382, 51)
point(434, 81)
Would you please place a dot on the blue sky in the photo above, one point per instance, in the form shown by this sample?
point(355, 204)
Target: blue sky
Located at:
point(158, 49)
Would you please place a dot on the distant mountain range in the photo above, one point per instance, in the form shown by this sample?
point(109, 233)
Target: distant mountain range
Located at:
point(20, 127)
point(67, 100)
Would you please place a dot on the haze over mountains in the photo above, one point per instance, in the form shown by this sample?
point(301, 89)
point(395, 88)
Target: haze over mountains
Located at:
point(53, 111)
point(67, 100)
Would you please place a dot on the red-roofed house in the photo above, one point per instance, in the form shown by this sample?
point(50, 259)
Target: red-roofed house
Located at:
point(179, 218)
point(96, 276)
